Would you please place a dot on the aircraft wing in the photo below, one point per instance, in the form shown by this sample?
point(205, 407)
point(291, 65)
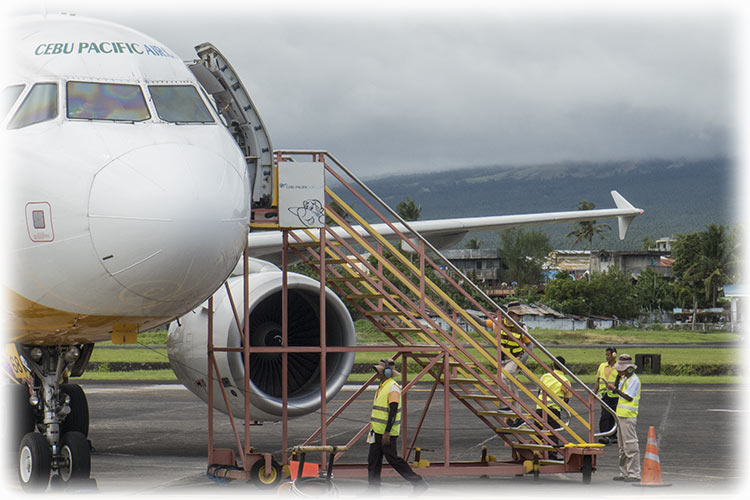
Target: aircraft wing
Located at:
point(443, 233)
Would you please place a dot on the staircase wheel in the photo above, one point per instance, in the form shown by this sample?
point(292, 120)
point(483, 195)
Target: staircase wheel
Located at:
point(259, 477)
point(587, 469)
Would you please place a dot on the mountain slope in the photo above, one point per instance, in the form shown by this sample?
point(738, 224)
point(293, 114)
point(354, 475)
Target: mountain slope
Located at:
point(678, 196)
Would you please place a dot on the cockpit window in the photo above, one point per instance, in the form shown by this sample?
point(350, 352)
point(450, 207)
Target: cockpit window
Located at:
point(40, 105)
point(179, 104)
point(9, 97)
point(106, 101)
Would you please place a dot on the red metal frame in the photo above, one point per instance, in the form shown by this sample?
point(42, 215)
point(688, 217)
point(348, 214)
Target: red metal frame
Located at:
point(443, 349)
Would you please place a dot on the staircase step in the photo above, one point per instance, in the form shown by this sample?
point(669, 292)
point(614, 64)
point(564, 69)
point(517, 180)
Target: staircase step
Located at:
point(466, 380)
point(331, 261)
point(496, 413)
point(313, 244)
point(350, 278)
point(355, 296)
point(457, 363)
point(265, 225)
point(384, 313)
point(409, 330)
point(479, 397)
point(519, 430)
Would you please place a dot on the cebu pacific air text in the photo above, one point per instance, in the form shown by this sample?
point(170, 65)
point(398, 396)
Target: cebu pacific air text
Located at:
point(47, 49)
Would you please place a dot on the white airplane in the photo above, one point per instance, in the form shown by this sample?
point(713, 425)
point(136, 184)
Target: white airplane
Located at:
point(132, 180)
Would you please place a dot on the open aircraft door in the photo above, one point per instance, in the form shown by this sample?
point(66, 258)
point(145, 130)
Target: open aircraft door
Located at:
point(233, 103)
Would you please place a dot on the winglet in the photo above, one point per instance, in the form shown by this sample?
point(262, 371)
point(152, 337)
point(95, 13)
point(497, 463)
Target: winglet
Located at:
point(624, 221)
point(620, 201)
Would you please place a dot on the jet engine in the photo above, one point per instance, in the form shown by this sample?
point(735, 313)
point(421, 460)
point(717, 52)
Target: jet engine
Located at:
point(188, 338)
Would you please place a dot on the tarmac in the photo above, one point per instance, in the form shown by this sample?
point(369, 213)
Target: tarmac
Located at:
point(151, 439)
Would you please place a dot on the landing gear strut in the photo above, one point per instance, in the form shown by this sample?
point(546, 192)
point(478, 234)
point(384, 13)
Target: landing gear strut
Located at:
point(55, 445)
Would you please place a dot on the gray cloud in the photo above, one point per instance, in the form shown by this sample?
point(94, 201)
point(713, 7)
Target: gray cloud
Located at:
point(389, 91)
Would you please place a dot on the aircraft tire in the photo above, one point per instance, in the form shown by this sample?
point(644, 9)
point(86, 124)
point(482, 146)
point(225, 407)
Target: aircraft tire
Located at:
point(258, 476)
point(76, 456)
point(78, 419)
point(24, 419)
point(34, 462)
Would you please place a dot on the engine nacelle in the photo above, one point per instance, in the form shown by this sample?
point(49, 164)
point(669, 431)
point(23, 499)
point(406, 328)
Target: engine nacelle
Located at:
point(187, 343)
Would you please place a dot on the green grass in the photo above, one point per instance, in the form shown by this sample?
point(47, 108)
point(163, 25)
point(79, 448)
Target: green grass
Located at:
point(687, 363)
point(145, 355)
point(619, 337)
point(669, 355)
point(147, 338)
point(595, 355)
point(646, 379)
point(154, 375)
point(367, 333)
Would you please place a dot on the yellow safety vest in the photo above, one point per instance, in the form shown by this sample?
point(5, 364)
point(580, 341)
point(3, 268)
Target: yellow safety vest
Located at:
point(379, 417)
point(554, 386)
point(603, 391)
point(511, 344)
point(625, 408)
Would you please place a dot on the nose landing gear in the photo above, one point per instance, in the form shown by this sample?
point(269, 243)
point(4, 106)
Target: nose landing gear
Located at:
point(56, 447)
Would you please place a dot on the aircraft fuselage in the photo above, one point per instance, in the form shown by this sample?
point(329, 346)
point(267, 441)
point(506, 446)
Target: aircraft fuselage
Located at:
point(128, 199)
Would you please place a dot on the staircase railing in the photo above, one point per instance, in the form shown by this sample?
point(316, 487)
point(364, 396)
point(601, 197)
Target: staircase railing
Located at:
point(403, 284)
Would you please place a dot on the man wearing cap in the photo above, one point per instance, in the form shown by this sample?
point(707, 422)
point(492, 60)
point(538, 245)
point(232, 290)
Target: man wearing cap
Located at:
point(385, 425)
point(606, 374)
point(628, 388)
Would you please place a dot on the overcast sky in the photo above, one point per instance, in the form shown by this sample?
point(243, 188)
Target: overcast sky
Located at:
point(393, 90)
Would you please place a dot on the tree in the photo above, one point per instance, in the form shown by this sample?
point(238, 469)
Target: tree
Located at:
point(566, 294)
point(526, 294)
point(408, 209)
point(473, 244)
point(523, 254)
point(705, 261)
point(612, 294)
point(606, 294)
point(587, 230)
point(652, 292)
point(648, 243)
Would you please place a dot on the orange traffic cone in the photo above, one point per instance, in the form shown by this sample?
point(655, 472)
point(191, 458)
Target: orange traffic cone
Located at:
point(651, 473)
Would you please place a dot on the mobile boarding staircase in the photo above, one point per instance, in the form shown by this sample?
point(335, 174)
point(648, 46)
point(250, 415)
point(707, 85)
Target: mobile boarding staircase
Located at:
point(417, 299)
point(435, 318)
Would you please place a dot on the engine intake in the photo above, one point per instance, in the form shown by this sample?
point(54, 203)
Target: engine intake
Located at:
point(187, 342)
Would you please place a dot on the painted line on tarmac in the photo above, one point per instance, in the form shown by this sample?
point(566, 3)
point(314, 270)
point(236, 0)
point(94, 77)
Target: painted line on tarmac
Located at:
point(485, 441)
point(665, 416)
point(726, 410)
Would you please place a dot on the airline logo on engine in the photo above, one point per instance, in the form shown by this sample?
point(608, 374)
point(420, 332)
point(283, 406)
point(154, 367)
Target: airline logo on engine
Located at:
point(135, 48)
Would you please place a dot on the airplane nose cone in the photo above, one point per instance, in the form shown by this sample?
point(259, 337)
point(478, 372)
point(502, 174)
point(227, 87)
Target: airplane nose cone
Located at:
point(169, 223)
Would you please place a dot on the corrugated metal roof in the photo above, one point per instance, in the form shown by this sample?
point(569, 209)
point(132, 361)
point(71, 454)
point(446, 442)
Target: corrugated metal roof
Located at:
point(536, 310)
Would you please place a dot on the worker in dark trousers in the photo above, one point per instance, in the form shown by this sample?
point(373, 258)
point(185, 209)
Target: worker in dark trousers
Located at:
point(606, 374)
point(385, 425)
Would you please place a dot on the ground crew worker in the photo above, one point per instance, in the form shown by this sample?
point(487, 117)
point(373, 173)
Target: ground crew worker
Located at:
point(628, 388)
point(560, 387)
point(512, 341)
point(606, 374)
point(385, 425)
